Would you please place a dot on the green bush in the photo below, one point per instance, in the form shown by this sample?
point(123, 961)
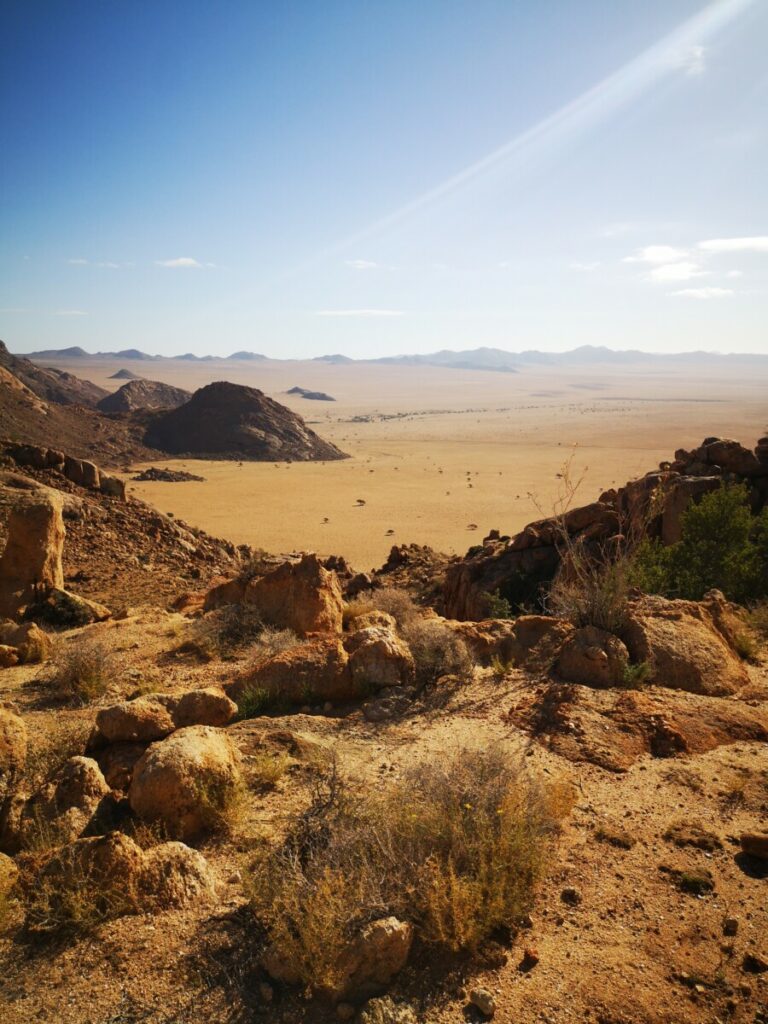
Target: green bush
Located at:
point(722, 546)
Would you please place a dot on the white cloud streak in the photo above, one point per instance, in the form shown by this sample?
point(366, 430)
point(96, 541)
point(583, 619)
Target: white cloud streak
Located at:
point(683, 271)
point(656, 254)
point(70, 312)
point(704, 293)
point(362, 264)
point(359, 312)
point(756, 243)
point(180, 262)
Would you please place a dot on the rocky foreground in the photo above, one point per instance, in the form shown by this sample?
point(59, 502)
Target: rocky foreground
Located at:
point(156, 752)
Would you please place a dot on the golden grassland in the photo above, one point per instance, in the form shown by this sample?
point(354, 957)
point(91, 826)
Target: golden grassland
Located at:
point(442, 456)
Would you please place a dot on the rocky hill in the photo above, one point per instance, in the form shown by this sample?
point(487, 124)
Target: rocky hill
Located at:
point(144, 394)
point(228, 420)
point(313, 396)
point(125, 375)
point(50, 384)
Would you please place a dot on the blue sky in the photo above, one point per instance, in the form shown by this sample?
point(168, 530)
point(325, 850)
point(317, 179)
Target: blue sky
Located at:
point(298, 178)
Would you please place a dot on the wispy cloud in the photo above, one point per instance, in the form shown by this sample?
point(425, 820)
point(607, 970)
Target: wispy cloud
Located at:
point(756, 243)
point(363, 264)
point(181, 262)
point(585, 268)
point(692, 60)
point(657, 254)
point(359, 312)
point(682, 271)
point(111, 264)
point(70, 312)
point(704, 293)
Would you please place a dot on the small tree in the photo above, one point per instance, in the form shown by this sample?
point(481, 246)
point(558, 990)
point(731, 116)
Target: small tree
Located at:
point(722, 546)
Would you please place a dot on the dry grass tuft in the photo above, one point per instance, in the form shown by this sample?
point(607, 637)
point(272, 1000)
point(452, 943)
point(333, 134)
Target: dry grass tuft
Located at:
point(82, 671)
point(456, 848)
point(437, 651)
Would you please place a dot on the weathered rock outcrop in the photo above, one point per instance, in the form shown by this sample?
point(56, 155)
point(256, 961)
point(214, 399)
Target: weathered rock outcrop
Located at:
point(183, 780)
point(653, 505)
point(685, 649)
point(303, 597)
point(231, 420)
point(144, 394)
point(67, 807)
point(154, 716)
point(593, 657)
point(32, 556)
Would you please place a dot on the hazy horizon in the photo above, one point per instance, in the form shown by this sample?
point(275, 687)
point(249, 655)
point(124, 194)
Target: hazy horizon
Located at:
point(379, 180)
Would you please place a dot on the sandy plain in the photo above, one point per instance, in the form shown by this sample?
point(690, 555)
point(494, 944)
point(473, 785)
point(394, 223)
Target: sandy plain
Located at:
point(440, 456)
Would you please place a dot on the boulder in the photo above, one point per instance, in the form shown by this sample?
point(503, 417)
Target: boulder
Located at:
point(210, 706)
point(173, 875)
point(314, 671)
point(227, 592)
point(368, 963)
point(303, 596)
point(375, 617)
point(66, 807)
point(121, 877)
point(9, 656)
point(112, 486)
point(82, 472)
point(117, 762)
point(378, 658)
point(62, 609)
point(488, 638)
point(31, 643)
point(385, 1010)
point(593, 657)
point(32, 555)
point(142, 720)
point(181, 781)
point(373, 959)
point(683, 646)
point(755, 844)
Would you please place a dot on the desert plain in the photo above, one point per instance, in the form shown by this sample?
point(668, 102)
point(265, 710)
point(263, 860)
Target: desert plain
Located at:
point(440, 456)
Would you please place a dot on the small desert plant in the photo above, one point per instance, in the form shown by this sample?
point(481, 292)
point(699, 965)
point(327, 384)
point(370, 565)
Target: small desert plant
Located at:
point(397, 603)
point(82, 671)
point(499, 666)
point(257, 564)
point(437, 651)
point(498, 607)
point(222, 806)
point(267, 767)
point(634, 675)
point(253, 702)
point(73, 899)
point(757, 617)
point(746, 646)
point(457, 848)
point(591, 591)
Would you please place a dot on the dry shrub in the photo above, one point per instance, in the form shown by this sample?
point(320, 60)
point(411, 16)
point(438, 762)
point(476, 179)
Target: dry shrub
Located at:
point(757, 618)
point(267, 767)
point(82, 671)
point(72, 899)
point(457, 848)
point(49, 751)
point(590, 590)
point(437, 651)
point(223, 807)
point(397, 603)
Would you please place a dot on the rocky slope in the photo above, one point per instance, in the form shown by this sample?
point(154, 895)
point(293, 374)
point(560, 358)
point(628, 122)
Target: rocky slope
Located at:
point(228, 420)
point(144, 394)
point(50, 384)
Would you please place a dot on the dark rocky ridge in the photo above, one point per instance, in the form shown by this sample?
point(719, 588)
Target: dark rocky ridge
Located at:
point(49, 384)
point(315, 396)
point(144, 394)
point(231, 421)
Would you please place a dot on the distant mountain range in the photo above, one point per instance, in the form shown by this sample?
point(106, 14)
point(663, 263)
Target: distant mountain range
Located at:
point(470, 359)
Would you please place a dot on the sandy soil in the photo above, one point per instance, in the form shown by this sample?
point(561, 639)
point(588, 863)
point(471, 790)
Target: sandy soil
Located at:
point(427, 434)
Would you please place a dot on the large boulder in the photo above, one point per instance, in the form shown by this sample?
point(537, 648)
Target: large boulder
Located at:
point(303, 596)
point(378, 658)
point(32, 556)
point(116, 877)
point(315, 671)
point(65, 610)
point(142, 720)
point(31, 644)
point(156, 715)
point(68, 806)
point(593, 657)
point(184, 780)
point(683, 647)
